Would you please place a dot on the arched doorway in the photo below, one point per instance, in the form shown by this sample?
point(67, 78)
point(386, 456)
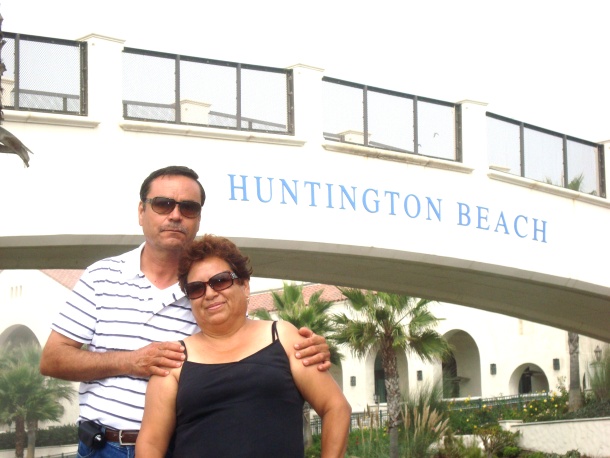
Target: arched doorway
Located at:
point(379, 376)
point(528, 378)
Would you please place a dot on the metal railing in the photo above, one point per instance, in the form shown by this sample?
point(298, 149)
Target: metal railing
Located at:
point(44, 74)
point(543, 155)
point(380, 118)
point(206, 92)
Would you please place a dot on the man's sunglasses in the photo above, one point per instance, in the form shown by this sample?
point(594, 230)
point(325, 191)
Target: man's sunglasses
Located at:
point(164, 206)
point(218, 282)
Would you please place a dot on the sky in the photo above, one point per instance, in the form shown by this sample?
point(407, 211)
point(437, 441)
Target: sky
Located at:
point(542, 62)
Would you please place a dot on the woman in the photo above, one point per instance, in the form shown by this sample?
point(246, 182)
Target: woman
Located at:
point(240, 392)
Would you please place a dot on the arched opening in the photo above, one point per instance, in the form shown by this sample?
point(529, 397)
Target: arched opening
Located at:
point(380, 391)
point(17, 335)
point(528, 378)
point(462, 371)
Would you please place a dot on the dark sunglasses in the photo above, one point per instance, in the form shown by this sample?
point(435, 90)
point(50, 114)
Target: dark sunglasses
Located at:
point(164, 206)
point(218, 282)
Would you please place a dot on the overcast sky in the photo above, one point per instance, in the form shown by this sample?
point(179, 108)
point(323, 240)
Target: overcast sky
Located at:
point(539, 61)
point(542, 62)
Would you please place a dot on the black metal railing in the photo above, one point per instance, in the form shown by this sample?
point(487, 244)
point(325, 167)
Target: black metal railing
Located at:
point(44, 74)
point(377, 416)
point(206, 92)
point(543, 155)
point(380, 118)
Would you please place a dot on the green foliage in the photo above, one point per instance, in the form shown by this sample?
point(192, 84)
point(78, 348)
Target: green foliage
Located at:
point(290, 306)
point(26, 396)
point(454, 447)
point(510, 451)
point(55, 435)
point(495, 439)
point(599, 375)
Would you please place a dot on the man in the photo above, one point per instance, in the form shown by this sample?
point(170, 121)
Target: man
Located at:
point(130, 313)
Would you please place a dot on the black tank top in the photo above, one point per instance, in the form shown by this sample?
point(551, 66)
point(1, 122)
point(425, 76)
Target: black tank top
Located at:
point(250, 408)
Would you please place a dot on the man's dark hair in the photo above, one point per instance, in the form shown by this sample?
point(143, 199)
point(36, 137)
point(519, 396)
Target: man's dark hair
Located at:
point(168, 171)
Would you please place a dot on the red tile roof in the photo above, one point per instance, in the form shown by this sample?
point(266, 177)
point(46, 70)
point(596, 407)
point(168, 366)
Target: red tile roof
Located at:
point(66, 277)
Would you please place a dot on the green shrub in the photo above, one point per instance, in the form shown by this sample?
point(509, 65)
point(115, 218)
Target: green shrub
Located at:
point(55, 435)
point(510, 451)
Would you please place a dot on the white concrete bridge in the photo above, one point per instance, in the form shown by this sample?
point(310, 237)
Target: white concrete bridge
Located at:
point(308, 208)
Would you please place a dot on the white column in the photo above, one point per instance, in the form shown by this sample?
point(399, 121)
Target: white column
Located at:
point(308, 107)
point(105, 77)
point(474, 135)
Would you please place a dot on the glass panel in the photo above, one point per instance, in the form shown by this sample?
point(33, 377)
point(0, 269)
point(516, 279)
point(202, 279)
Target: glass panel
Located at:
point(436, 130)
point(503, 146)
point(343, 113)
point(208, 94)
point(582, 168)
point(157, 96)
point(264, 100)
point(543, 157)
point(390, 121)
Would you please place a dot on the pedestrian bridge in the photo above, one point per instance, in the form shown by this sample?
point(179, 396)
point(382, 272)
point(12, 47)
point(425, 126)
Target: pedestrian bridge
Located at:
point(349, 185)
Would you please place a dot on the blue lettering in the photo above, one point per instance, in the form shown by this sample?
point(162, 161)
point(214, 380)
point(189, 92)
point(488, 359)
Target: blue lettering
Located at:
point(502, 222)
point(543, 230)
point(351, 200)
point(517, 229)
point(313, 196)
point(293, 194)
point(463, 211)
point(437, 211)
point(366, 207)
point(258, 190)
point(417, 205)
point(392, 195)
point(330, 195)
point(234, 187)
point(482, 216)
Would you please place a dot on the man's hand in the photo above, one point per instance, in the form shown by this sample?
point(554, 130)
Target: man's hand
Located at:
point(64, 358)
point(313, 349)
point(156, 358)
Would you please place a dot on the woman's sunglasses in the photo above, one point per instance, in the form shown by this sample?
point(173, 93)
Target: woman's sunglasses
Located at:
point(218, 282)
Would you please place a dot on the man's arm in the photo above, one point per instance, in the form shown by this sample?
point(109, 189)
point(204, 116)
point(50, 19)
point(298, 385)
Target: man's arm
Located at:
point(64, 358)
point(313, 350)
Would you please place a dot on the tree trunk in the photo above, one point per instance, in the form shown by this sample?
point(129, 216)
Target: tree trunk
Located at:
point(32, 428)
point(575, 400)
point(20, 437)
point(390, 370)
point(307, 436)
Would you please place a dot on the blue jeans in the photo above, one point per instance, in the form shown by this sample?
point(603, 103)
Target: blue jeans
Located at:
point(110, 450)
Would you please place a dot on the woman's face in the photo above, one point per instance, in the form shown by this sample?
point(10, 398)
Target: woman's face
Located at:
point(217, 307)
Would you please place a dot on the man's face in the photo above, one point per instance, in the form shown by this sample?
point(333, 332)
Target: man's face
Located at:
point(171, 231)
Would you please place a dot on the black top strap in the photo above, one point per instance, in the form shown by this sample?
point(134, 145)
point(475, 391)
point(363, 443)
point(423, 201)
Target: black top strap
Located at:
point(274, 334)
point(186, 355)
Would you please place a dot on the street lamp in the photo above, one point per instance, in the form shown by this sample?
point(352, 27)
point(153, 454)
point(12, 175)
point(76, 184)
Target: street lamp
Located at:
point(376, 398)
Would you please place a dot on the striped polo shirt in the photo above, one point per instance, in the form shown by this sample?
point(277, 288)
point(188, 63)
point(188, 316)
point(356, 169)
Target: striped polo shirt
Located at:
point(114, 307)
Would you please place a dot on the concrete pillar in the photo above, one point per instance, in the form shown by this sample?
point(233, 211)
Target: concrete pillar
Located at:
point(105, 77)
point(474, 135)
point(308, 107)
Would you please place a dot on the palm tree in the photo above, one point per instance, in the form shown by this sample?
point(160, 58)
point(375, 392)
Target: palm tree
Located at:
point(27, 397)
point(575, 397)
point(389, 323)
point(290, 306)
